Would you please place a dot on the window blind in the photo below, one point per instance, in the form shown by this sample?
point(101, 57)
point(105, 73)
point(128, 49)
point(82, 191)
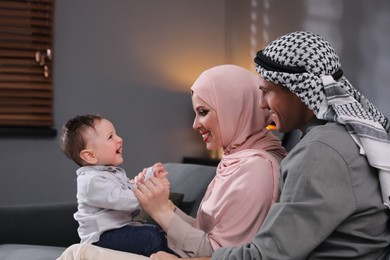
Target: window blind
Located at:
point(26, 91)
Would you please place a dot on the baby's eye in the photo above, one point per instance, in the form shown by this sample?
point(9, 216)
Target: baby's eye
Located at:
point(110, 137)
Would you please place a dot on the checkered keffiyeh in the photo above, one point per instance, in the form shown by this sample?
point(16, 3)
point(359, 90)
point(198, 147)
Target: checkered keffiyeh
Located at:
point(309, 67)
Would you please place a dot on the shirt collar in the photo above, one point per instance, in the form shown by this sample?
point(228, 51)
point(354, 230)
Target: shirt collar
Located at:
point(311, 124)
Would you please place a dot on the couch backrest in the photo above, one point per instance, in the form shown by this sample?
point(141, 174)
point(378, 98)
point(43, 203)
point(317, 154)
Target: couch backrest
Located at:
point(191, 180)
point(41, 224)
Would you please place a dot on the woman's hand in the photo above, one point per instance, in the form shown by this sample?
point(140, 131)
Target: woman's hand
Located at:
point(158, 171)
point(153, 196)
point(140, 178)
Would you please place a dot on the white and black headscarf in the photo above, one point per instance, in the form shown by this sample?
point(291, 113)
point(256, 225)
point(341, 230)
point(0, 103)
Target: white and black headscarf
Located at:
point(308, 66)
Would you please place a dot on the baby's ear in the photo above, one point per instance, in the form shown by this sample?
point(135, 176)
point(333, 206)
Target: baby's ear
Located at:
point(88, 156)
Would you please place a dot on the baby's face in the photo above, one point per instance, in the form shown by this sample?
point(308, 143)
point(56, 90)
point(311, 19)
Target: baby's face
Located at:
point(105, 143)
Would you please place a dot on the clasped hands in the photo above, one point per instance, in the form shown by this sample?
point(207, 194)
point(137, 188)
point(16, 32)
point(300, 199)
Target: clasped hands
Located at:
point(153, 193)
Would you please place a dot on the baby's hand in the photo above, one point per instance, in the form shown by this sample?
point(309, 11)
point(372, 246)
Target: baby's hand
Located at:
point(156, 170)
point(159, 170)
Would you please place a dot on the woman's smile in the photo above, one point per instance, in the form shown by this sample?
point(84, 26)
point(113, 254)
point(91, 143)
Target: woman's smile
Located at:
point(205, 136)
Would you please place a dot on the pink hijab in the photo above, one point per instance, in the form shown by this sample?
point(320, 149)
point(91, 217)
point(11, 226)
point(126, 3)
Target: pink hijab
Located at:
point(247, 178)
point(233, 93)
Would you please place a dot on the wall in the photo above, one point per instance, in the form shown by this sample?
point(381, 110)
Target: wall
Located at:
point(357, 29)
point(133, 61)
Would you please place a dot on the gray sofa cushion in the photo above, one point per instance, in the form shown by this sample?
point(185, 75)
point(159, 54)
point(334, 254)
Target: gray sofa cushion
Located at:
point(191, 180)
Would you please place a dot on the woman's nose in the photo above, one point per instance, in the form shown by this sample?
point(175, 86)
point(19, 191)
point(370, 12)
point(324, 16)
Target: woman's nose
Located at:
point(195, 124)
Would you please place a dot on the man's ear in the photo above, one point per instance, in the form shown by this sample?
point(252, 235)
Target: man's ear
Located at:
point(88, 156)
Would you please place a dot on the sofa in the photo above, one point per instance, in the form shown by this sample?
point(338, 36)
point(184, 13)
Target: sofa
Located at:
point(43, 231)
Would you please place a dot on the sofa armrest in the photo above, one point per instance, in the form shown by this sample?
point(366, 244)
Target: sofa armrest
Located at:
point(42, 224)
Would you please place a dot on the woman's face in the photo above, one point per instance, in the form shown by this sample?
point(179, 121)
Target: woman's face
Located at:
point(206, 123)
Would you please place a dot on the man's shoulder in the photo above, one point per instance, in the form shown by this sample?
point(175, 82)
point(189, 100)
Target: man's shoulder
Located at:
point(329, 133)
point(323, 144)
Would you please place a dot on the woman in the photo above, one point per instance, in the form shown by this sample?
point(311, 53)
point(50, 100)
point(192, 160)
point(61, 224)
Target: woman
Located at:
point(225, 100)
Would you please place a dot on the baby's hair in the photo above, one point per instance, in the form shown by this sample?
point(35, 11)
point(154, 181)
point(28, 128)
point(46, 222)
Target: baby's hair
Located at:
point(72, 135)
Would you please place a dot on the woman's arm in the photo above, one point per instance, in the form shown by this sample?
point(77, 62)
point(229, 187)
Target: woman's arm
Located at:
point(186, 218)
point(187, 240)
point(183, 237)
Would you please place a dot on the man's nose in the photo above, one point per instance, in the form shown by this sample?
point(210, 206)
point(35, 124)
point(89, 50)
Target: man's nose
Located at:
point(263, 102)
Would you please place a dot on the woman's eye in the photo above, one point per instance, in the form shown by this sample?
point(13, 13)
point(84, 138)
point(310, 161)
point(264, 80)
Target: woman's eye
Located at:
point(203, 112)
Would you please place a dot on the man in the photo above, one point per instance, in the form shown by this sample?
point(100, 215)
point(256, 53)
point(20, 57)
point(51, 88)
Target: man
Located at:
point(331, 204)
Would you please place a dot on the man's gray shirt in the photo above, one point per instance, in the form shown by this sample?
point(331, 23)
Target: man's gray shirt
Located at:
point(330, 205)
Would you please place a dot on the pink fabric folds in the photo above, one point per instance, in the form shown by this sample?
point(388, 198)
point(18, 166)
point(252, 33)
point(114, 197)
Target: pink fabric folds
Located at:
point(246, 184)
